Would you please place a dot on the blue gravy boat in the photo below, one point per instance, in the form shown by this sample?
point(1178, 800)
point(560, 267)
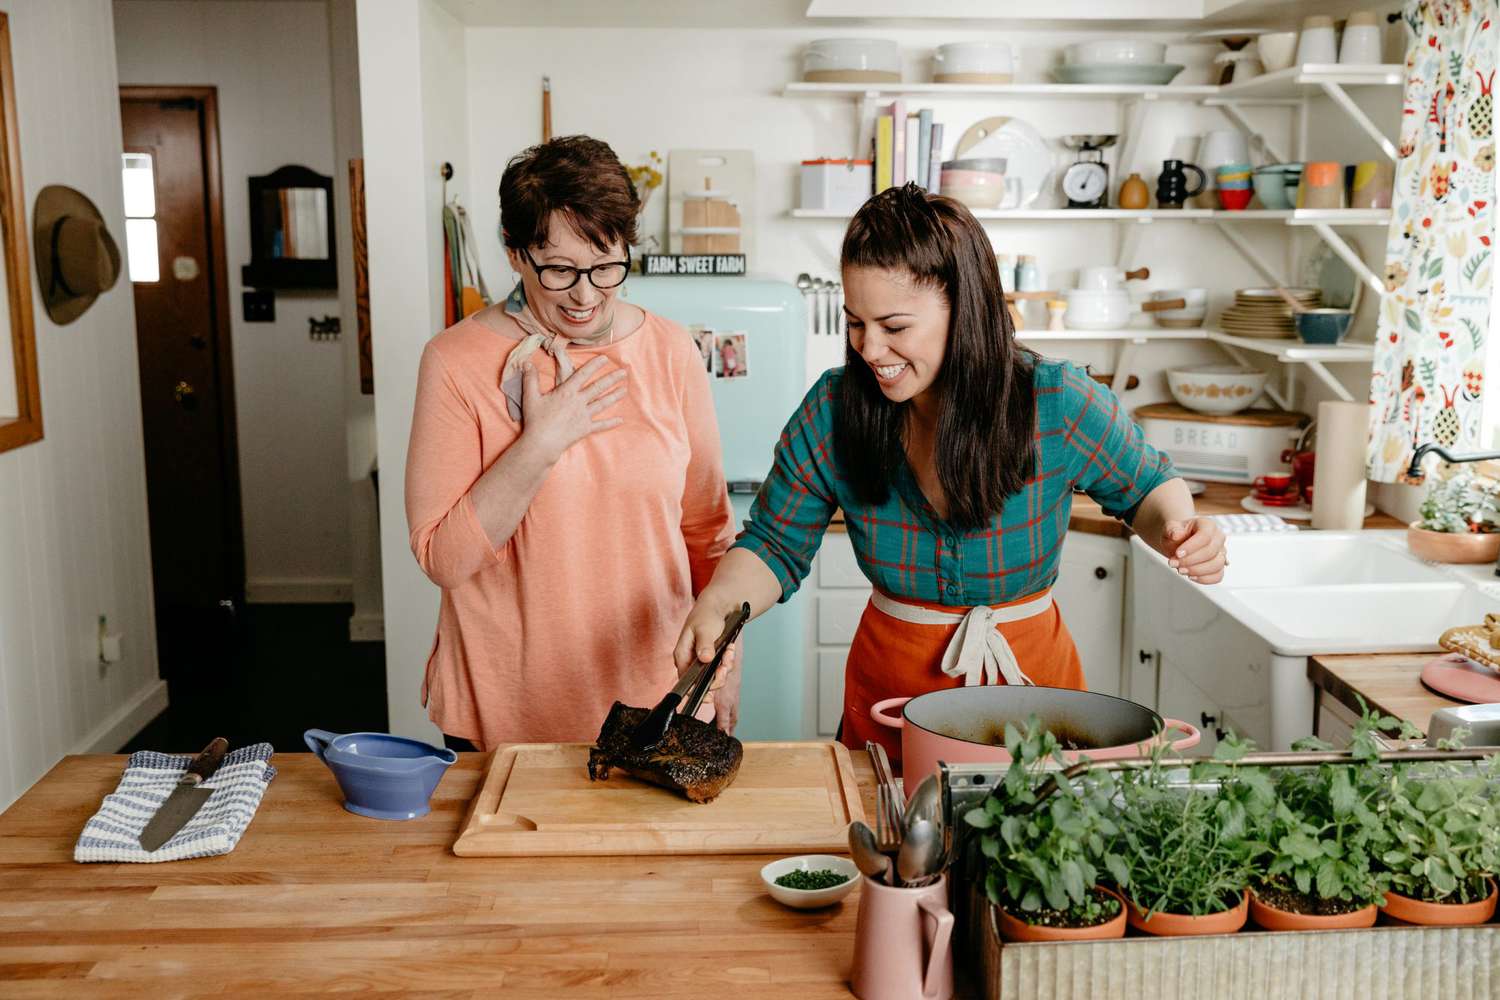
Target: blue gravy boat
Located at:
point(382, 776)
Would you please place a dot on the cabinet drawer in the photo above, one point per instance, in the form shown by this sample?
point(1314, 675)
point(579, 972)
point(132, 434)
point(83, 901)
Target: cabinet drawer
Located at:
point(836, 564)
point(830, 689)
point(838, 618)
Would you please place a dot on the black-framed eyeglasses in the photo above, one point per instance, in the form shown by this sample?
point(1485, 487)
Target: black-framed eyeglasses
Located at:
point(560, 277)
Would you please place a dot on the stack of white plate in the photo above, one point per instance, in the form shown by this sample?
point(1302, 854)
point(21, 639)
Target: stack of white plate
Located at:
point(1264, 314)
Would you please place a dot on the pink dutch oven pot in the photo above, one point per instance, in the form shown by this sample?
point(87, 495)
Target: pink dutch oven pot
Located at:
point(966, 725)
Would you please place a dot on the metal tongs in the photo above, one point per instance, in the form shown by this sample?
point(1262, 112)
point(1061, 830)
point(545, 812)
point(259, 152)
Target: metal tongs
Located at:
point(690, 689)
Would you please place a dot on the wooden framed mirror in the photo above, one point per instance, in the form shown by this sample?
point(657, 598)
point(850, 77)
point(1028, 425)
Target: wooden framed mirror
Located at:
point(20, 396)
point(291, 231)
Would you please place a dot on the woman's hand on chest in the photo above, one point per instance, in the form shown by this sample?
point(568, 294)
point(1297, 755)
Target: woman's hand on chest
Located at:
point(573, 410)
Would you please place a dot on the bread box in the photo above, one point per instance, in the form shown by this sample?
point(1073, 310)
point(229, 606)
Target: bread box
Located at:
point(1227, 448)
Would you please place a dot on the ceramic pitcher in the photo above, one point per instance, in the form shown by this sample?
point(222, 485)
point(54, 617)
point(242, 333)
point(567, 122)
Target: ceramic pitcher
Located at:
point(1172, 186)
point(902, 943)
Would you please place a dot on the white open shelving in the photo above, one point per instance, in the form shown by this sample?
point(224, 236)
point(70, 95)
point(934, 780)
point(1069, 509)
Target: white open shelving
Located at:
point(1291, 84)
point(1294, 217)
point(1134, 334)
point(1290, 88)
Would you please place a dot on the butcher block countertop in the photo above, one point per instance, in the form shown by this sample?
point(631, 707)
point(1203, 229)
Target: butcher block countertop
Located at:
point(315, 899)
point(1390, 682)
point(1217, 498)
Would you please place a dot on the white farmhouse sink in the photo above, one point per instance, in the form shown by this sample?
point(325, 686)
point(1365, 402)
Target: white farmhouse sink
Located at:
point(1307, 558)
point(1344, 592)
point(1243, 644)
point(1299, 621)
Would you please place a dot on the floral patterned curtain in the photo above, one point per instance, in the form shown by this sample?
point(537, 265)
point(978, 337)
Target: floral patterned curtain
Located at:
point(1439, 262)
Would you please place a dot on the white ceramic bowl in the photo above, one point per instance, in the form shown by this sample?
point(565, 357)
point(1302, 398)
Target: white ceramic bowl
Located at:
point(957, 62)
point(1115, 50)
point(868, 58)
point(1216, 388)
point(1277, 50)
point(809, 899)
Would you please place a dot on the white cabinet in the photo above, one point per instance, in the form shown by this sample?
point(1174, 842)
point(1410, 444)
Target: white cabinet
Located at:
point(839, 593)
point(1090, 593)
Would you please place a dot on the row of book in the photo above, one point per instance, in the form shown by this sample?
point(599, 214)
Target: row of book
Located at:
point(908, 148)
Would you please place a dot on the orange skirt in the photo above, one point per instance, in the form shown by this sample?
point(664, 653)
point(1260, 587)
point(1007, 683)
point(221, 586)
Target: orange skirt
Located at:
point(891, 658)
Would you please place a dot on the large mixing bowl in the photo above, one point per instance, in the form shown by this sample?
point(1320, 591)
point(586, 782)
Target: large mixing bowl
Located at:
point(966, 725)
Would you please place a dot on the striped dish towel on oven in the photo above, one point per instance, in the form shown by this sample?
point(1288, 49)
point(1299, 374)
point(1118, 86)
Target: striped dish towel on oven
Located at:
point(113, 833)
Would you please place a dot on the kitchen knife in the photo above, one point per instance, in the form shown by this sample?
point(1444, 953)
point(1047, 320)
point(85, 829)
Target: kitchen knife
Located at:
point(690, 689)
point(187, 798)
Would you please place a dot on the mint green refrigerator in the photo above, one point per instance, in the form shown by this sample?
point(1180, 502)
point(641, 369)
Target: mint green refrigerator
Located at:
point(752, 335)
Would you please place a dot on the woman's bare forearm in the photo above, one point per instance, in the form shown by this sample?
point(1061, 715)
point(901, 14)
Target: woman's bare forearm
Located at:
point(742, 576)
point(1170, 501)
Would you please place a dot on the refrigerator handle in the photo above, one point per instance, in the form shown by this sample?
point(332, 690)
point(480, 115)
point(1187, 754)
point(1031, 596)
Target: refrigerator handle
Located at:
point(744, 486)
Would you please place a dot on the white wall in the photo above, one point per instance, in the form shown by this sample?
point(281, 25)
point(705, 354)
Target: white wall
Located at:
point(270, 63)
point(73, 535)
point(411, 58)
point(367, 622)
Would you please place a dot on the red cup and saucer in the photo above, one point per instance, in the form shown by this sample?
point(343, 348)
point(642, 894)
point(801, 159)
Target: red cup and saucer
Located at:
point(1277, 489)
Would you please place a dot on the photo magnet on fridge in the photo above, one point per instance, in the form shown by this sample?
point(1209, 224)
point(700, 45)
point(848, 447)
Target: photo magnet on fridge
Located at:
point(733, 360)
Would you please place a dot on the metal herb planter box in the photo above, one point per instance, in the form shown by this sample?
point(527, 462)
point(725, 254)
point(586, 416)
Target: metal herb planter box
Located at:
point(1379, 963)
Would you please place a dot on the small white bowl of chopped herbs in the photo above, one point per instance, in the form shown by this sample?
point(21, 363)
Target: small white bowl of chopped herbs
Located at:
point(809, 881)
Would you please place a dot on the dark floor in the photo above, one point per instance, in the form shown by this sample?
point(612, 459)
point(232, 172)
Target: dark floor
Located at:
point(289, 668)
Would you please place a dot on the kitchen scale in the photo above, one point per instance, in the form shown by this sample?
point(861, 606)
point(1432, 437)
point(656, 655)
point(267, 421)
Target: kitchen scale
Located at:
point(1086, 181)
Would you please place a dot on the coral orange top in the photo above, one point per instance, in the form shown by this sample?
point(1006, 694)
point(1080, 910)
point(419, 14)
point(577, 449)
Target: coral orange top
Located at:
point(582, 606)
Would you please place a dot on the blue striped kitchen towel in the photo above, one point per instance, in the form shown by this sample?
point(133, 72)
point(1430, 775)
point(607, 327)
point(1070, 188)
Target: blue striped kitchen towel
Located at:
point(113, 833)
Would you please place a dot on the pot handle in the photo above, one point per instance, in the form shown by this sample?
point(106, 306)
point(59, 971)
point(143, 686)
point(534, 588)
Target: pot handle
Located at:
point(880, 708)
point(1194, 734)
point(318, 741)
point(941, 938)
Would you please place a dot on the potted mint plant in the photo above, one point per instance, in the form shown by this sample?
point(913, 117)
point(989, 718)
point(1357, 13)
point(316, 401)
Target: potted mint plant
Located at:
point(1192, 853)
point(1442, 844)
point(1045, 857)
point(1318, 869)
point(1460, 520)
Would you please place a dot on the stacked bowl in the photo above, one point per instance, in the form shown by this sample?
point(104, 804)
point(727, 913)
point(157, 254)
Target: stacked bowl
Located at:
point(1276, 185)
point(1116, 60)
point(978, 182)
point(1232, 182)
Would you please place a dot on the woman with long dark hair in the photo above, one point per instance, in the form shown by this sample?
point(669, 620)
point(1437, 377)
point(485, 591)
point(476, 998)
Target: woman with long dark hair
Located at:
point(954, 453)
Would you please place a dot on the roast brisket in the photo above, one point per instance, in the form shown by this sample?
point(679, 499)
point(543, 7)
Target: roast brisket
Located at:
point(695, 758)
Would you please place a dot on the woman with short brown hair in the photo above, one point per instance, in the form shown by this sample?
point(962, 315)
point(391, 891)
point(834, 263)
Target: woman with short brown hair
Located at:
point(564, 481)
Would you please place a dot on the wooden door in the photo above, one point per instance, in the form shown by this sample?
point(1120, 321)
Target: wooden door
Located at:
point(186, 374)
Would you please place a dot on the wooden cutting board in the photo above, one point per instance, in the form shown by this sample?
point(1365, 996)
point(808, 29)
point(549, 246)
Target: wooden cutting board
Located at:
point(537, 799)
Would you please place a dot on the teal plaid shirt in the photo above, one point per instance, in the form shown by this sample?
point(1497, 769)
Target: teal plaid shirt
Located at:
point(1083, 438)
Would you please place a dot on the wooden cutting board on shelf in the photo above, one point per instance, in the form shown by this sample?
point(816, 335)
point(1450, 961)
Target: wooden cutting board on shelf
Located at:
point(537, 800)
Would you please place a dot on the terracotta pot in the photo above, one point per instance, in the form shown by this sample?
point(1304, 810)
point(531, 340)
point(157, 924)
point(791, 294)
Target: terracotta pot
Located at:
point(1273, 919)
point(1014, 929)
point(1452, 547)
point(1419, 911)
point(1165, 924)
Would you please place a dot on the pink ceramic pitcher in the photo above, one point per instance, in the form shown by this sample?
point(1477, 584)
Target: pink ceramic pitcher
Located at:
point(901, 943)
